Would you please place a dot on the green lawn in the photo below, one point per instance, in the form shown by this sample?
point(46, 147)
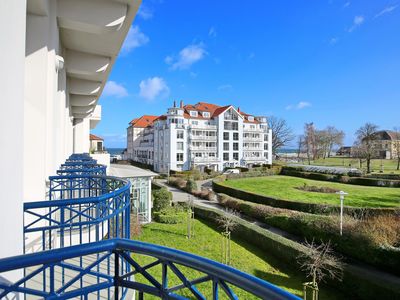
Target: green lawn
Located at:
point(284, 187)
point(389, 165)
point(207, 243)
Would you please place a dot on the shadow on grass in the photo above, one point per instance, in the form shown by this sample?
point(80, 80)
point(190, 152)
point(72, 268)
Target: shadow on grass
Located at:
point(168, 232)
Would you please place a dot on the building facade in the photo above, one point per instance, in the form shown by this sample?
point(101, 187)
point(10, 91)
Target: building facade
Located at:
point(386, 144)
point(202, 136)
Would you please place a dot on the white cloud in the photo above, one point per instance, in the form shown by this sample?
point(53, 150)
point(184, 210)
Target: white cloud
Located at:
point(187, 57)
point(153, 87)
point(134, 39)
point(193, 74)
point(347, 4)
point(333, 40)
point(145, 12)
point(386, 10)
point(225, 87)
point(212, 32)
point(115, 89)
point(358, 21)
point(300, 105)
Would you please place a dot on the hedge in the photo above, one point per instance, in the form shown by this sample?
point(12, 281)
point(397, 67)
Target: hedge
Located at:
point(356, 281)
point(366, 181)
point(313, 208)
point(319, 227)
point(170, 216)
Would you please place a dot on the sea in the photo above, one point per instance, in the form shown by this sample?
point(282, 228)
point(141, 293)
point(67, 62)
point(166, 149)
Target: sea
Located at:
point(115, 151)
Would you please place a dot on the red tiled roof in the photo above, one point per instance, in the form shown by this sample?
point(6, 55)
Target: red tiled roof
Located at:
point(220, 110)
point(143, 121)
point(93, 137)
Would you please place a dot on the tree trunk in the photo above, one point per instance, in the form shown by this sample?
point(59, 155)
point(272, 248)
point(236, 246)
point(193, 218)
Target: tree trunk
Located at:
point(368, 165)
point(398, 163)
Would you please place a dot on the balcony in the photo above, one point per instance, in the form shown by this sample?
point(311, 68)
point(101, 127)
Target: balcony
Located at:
point(80, 248)
point(200, 148)
point(205, 159)
point(203, 126)
point(203, 137)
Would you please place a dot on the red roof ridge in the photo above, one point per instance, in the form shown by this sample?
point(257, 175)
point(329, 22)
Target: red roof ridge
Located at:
point(95, 137)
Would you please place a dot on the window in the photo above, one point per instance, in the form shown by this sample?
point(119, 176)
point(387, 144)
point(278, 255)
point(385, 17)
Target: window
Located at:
point(226, 136)
point(179, 157)
point(206, 114)
point(228, 125)
point(230, 115)
point(235, 155)
point(226, 156)
point(211, 154)
point(195, 122)
point(250, 118)
point(179, 134)
point(235, 136)
point(265, 137)
point(193, 113)
point(179, 145)
point(235, 146)
point(198, 154)
point(265, 146)
point(226, 146)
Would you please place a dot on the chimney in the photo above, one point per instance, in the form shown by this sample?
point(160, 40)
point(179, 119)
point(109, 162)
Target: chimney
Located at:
point(174, 103)
point(238, 109)
point(181, 103)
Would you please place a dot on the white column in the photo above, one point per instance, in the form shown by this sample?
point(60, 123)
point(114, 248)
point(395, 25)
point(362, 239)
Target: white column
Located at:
point(81, 135)
point(12, 74)
point(269, 146)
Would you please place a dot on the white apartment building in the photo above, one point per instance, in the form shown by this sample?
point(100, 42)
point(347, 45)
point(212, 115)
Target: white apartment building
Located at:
point(200, 136)
point(55, 58)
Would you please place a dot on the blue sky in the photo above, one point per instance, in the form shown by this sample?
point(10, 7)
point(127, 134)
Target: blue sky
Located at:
point(331, 62)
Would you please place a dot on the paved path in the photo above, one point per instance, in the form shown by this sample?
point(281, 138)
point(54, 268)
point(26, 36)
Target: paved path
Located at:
point(179, 195)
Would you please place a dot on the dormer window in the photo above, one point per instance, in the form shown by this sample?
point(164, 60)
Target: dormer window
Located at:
point(250, 118)
point(206, 114)
point(193, 113)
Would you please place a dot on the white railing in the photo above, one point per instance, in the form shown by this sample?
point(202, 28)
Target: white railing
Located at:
point(205, 159)
point(203, 148)
point(203, 137)
point(203, 126)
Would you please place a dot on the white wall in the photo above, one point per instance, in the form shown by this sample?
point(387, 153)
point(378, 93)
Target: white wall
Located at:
point(12, 41)
point(81, 135)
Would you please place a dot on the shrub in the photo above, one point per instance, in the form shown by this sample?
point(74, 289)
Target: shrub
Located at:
point(161, 199)
point(170, 215)
point(376, 237)
point(356, 283)
point(191, 186)
point(177, 182)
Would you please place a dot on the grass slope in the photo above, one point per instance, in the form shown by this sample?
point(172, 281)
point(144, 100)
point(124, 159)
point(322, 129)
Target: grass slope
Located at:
point(284, 187)
point(207, 243)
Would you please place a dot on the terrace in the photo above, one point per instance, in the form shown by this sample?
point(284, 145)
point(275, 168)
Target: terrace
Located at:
point(77, 244)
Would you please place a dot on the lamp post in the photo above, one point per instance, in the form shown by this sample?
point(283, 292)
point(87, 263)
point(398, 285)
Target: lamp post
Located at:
point(342, 194)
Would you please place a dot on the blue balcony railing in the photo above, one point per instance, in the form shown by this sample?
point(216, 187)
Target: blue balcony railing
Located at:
point(78, 245)
point(102, 281)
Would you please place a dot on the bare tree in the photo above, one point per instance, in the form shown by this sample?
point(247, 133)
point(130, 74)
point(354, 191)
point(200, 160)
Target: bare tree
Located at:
point(282, 134)
point(319, 262)
point(309, 141)
point(366, 135)
point(299, 146)
point(396, 145)
point(228, 223)
point(334, 138)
